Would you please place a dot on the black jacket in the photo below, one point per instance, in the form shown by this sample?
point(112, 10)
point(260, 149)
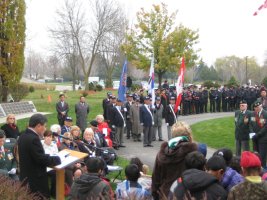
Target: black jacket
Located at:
point(117, 118)
point(33, 162)
point(199, 184)
point(10, 132)
point(170, 118)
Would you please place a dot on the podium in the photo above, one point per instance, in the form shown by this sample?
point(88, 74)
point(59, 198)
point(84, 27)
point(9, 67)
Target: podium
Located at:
point(67, 157)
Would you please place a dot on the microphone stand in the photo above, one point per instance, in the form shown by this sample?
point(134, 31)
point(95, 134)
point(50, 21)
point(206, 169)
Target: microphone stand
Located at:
point(102, 151)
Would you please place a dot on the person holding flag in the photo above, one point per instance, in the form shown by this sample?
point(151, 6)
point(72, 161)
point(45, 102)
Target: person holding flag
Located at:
point(179, 86)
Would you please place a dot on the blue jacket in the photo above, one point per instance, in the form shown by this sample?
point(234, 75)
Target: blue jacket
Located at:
point(145, 117)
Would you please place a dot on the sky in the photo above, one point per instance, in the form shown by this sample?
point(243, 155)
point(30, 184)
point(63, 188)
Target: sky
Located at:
point(225, 27)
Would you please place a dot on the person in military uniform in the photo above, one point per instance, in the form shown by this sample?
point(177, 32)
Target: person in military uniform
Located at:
point(212, 97)
point(225, 99)
point(205, 97)
point(170, 116)
point(196, 100)
point(127, 106)
point(218, 100)
point(242, 117)
point(187, 97)
point(164, 99)
point(250, 96)
point(263, 98)
point(8, 165)
point(258, 126)
point(232, 97)
point(158, 120)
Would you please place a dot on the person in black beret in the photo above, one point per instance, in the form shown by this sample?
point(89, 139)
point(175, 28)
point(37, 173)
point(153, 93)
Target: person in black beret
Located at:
point(258, 131)
point(242, 119)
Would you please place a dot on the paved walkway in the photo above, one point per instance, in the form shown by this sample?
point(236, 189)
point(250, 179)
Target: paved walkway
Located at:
point(148, 154)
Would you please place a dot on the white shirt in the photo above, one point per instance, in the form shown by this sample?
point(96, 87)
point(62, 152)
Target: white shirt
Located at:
point(50, 149)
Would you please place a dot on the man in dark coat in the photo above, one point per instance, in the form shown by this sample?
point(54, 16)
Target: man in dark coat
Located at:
point(147, 121)
point(32, 158)
point(62, 108)
point(118, 122)
point(82, 111)
point(170, 116)
point(127, 106)
point(242, 117)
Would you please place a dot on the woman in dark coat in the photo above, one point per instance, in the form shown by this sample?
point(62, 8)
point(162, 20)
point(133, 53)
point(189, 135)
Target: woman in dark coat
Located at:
point(169, 163)
point(10, 127)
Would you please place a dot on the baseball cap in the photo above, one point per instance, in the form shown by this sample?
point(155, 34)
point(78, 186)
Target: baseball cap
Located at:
point(68, 119)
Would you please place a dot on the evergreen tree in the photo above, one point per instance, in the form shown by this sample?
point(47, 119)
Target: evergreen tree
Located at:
point(12, 42)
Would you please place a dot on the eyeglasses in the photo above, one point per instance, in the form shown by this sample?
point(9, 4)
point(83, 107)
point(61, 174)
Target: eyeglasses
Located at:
point(11, 118)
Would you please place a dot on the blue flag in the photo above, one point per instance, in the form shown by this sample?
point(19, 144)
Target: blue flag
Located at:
point(122, 87)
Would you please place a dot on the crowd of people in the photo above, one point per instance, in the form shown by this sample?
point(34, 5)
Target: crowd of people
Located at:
point(181, 170)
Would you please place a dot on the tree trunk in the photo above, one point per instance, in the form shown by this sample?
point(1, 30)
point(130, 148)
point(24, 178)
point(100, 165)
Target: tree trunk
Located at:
point(108, 82)
point(86, 82)
point(160, 79)
point(4, 90)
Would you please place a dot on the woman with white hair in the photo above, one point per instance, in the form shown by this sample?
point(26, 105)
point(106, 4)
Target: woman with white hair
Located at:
point(89, 142)
point(170, 160)
point(56, 131)
point(104, 129)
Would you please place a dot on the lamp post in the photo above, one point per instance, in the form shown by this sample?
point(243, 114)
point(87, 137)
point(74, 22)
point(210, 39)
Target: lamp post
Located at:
point(246, 70)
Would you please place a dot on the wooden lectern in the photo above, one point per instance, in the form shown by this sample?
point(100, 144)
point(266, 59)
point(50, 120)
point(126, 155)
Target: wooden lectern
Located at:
point(71, 157)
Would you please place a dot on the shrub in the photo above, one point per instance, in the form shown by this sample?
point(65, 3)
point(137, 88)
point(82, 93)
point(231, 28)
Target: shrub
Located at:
point(31, 89)
point(84, 93)
point(91, 86)
point(98, 87)
point(19, 91)
point(11, 189)
point(41, 86)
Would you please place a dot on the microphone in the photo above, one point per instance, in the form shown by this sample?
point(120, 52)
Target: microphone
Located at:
point(61, 136)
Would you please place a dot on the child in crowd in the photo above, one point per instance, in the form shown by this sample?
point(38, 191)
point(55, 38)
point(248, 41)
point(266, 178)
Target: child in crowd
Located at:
point(130, 188)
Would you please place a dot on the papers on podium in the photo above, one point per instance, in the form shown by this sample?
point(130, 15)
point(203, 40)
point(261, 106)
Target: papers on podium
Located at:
point(66, 159)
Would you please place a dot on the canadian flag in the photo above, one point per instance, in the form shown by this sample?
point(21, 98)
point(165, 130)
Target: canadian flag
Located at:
point(179, 85)
point(264, 5)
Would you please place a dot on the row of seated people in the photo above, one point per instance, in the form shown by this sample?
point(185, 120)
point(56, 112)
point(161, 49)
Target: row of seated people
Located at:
point(93, 142)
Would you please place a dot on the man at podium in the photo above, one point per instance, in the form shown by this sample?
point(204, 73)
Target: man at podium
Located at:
point(32, 158)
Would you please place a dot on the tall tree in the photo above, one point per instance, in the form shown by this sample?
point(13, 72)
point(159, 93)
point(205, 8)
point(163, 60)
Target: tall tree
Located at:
point(86, 33)
point(12, 42)
point(155, 34)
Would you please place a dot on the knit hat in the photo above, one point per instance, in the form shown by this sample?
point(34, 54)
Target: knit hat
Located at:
point(249, 159)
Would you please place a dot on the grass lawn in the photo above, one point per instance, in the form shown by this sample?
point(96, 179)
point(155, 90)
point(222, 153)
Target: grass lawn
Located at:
point(216, 133)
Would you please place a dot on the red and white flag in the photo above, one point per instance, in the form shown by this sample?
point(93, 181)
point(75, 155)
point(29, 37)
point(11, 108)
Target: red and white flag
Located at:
point(264, 5)
point(179, 85)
